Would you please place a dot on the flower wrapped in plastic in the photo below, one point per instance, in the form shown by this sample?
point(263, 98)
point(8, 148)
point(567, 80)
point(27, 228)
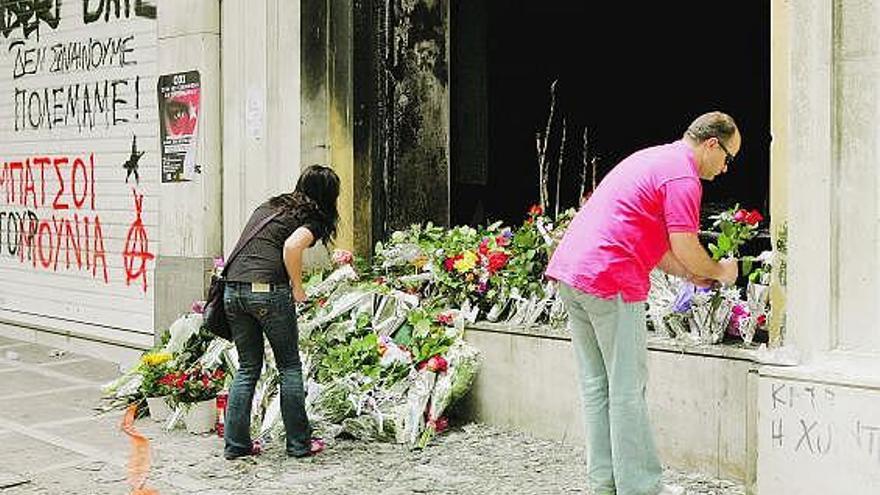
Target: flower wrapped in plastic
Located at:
point(461, 364)
point(710, 313)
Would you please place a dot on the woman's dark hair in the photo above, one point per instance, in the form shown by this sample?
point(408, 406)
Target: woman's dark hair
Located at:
point(314, 196)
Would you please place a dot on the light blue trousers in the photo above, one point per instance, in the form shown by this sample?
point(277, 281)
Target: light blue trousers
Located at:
point(608, 337)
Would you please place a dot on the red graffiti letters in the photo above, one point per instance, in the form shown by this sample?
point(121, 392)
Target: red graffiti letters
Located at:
point(71, 180)
point(53, 224)
point(137, 246)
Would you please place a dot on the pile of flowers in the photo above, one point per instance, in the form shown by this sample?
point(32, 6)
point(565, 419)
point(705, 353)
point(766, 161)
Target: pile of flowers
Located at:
point(382, 342)
point(493, 273)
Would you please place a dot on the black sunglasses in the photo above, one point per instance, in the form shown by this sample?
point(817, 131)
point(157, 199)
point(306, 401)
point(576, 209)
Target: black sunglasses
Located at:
point(728, 158)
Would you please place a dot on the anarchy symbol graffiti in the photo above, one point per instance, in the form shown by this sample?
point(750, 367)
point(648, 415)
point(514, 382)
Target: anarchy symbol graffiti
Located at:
point(137, 254)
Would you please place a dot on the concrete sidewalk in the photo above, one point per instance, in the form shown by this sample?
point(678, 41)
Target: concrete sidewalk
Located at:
point(55, 442)
point(54, 439)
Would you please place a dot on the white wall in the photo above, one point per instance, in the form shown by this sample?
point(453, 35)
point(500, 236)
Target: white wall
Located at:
point(834, 239)
point(857, 177)
point(261, 106)
point(42, 283)
point(817, 438)
point(819, 423)
point(189, 39)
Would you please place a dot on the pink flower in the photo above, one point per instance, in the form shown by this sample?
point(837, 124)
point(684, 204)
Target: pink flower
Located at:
point(445, 318)
point(198, 307)
point(738, 314)
point(740, 216)
point(437, 364)
point(219, 263)
point(342, 256)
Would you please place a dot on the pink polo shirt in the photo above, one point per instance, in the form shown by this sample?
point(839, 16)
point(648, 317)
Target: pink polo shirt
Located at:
point(622, 232)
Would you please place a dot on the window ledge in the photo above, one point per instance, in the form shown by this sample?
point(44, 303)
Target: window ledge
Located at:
point(726, 351)
point(832, 368)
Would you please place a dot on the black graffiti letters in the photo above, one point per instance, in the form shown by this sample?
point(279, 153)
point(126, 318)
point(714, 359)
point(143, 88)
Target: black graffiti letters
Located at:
point(86, 105)
point(71, 56)
point(28, 15)
point(117, 9)
point(17, 231)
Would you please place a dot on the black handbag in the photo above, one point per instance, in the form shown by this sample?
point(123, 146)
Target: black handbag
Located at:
point(214, 317)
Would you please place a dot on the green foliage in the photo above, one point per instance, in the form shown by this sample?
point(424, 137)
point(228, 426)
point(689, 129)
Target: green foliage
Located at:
point(361, 355)
point(734, 227)
point(428, 338)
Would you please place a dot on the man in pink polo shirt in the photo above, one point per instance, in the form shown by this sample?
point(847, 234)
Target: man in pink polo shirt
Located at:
point(644, 214)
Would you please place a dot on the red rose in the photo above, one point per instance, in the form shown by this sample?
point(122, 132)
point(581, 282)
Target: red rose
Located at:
point(502, 241)
point(439, 425)
point(754, 217)
point(497, 261)
point(449, 263)
point(762, 320)
point(484, 247)
point(536, 210)
point(740, 216)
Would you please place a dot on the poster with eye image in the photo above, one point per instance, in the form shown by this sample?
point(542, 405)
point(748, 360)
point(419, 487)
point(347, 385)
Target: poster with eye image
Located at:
point(179, 97)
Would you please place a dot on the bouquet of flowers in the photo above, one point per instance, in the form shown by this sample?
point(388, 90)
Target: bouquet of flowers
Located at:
point(712, 309)
point(153, 368)
point(680, 309)
point(194, 385)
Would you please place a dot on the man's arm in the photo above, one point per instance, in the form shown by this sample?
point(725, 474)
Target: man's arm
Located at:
point(686, 248)
point(671, 265)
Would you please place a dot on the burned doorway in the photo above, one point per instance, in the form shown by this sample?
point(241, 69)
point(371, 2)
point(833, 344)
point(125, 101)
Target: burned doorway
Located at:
point(633, 74)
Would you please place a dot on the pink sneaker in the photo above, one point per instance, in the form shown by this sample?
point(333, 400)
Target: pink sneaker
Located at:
point(316, 446)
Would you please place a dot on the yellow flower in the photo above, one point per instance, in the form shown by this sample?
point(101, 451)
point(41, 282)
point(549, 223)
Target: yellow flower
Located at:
point(155, 358)
point(467, 262)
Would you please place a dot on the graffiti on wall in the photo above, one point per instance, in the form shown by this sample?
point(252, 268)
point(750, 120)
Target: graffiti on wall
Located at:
point(28, 16)
point(76, 143)
point(812, 420)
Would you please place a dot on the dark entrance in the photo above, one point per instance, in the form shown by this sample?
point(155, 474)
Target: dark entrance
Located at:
point(633, 73)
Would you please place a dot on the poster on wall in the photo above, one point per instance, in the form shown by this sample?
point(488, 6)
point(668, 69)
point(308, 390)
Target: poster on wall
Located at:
point(179, 96)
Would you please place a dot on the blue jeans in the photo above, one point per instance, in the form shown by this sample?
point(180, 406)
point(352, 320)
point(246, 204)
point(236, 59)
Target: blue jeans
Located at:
point(609, 340)
point(250, 315)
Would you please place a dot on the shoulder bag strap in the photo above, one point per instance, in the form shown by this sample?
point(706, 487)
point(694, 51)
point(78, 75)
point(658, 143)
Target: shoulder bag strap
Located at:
point(247, 237)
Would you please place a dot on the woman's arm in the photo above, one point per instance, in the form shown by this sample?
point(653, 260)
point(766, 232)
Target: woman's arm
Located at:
point(294, 246)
